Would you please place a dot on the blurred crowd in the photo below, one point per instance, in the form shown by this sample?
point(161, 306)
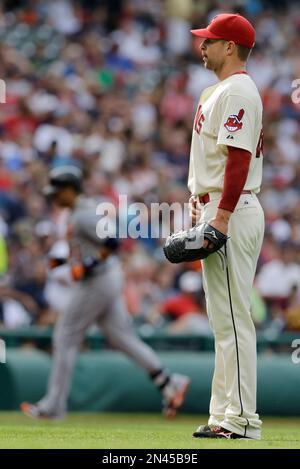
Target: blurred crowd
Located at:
point(111, 86)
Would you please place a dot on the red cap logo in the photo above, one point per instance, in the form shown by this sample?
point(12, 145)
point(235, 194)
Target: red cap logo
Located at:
point(233, 122)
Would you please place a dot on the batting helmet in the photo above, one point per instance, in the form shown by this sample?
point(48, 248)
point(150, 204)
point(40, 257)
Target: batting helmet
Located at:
point(61, 177)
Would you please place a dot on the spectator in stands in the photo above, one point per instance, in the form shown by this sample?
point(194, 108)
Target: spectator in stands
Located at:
point(186, 309)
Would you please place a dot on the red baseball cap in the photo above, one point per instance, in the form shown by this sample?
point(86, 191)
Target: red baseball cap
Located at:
point(231, 27)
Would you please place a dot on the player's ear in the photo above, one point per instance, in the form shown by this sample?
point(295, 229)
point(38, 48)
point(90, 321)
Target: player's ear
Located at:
point(231, 48)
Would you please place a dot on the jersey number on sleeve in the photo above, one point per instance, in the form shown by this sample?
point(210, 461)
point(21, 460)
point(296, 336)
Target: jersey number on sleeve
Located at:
point(260, 145)
point(199, 119)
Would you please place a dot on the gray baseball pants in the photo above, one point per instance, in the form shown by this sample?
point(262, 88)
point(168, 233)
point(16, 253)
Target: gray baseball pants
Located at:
point(98, 299)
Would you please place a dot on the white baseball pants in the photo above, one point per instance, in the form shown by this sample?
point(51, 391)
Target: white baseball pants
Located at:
point(227, 287)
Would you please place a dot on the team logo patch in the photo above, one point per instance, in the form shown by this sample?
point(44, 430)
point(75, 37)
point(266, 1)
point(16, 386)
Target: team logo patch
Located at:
point(233, 122)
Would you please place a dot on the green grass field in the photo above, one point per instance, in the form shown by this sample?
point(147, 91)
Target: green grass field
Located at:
point(111, 431)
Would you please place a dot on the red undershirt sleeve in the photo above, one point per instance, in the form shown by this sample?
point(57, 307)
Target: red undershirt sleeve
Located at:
point(236, 172)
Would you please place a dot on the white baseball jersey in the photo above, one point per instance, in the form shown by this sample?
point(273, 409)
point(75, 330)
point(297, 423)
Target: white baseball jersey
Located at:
point(229, 113)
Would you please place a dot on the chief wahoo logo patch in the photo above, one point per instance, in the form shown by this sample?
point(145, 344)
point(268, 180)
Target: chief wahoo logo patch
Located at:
point(234, 122)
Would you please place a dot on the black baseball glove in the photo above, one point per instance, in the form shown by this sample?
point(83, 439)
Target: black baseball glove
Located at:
point(187, 245)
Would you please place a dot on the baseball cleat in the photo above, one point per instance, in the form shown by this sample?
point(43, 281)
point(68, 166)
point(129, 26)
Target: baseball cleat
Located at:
point(33, 411)
point(203, 429)
point(206, 431)
point(174, 394)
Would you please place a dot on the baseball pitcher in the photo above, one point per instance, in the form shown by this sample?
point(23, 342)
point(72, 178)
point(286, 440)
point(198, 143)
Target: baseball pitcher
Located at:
point(224, 177)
